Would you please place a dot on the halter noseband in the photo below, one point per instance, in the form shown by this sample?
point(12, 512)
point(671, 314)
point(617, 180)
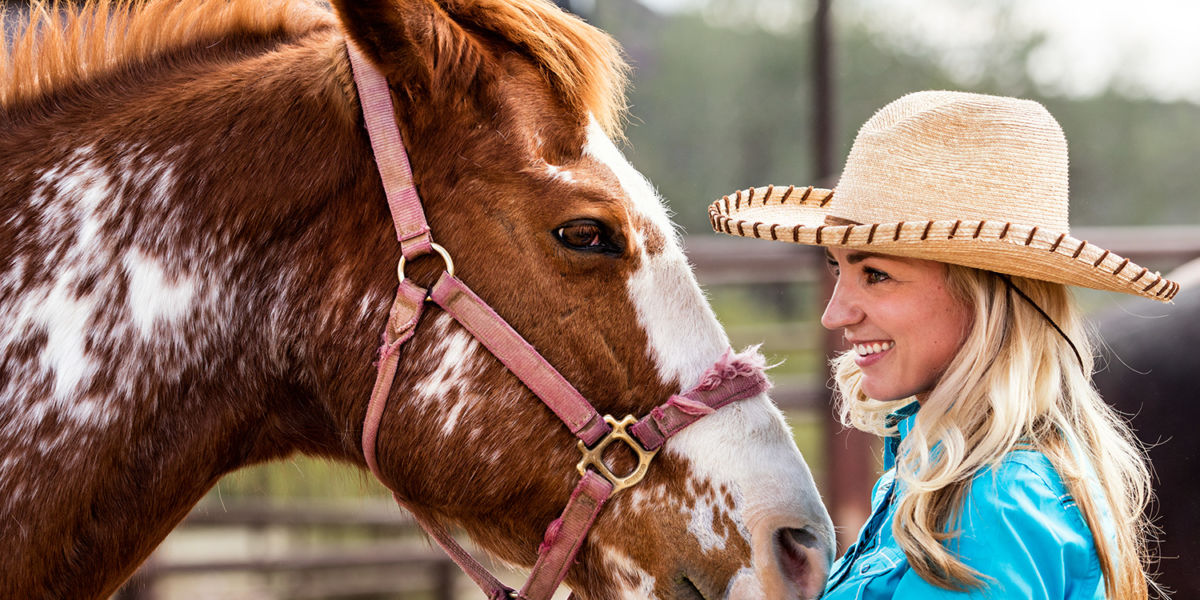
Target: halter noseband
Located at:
point(734, 377)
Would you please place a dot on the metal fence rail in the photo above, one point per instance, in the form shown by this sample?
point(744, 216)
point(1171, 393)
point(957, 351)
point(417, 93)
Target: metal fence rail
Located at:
point(362, 549)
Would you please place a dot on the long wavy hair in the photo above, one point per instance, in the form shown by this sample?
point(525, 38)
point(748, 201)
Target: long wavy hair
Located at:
point(1016, 382)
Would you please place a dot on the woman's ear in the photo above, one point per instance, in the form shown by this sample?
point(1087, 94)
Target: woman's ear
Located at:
point(416, 44)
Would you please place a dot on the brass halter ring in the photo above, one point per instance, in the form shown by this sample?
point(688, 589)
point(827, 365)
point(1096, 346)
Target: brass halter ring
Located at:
point(594, 457)
point(436, 248)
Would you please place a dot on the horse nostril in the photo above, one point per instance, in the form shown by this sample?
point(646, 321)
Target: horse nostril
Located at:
point(687, 590)
point(803, 560)
point(803, 537)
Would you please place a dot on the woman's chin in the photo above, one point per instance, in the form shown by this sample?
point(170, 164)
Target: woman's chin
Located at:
point(883, 392)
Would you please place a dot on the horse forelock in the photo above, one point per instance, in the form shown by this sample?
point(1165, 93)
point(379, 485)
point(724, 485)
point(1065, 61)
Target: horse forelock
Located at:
point(583, 63)
point(63, 44)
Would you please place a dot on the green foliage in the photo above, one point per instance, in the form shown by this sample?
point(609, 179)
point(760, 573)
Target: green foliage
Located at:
point(298, 477)
point(717, 108)
point(808, 431)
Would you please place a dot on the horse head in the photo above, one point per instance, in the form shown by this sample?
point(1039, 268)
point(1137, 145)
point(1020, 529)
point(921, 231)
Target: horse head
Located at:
point(198, 261)
point(508, 110)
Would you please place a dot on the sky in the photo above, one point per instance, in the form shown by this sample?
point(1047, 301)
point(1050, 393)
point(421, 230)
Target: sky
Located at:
point(1145, 48)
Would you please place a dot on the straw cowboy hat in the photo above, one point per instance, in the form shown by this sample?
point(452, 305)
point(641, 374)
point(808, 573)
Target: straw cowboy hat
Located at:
point(960, 178)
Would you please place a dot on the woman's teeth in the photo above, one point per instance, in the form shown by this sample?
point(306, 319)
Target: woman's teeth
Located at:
point(869, 349)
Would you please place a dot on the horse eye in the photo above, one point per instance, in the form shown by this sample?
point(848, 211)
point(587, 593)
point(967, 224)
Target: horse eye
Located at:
point(583, 235)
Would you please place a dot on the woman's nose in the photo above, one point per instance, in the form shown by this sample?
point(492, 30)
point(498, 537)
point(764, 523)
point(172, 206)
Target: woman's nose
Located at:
point(842, 310)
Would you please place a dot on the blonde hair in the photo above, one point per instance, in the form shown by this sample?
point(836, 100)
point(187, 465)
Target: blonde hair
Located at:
point(1015, 382)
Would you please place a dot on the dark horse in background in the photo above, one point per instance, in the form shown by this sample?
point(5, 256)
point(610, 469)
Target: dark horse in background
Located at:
point(1153, 375)
point(197, 262)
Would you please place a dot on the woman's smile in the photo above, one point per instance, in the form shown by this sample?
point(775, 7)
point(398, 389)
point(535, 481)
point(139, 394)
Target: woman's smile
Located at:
point(870, 353)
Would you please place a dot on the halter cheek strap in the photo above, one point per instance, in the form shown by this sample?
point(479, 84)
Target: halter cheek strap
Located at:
point(734, 377)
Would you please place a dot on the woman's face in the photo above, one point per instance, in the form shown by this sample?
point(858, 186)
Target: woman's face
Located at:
point(899, 317)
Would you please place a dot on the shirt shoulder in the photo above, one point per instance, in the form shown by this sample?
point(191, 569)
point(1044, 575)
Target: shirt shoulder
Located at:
point(1019, 473)
point(1022, 491)
point(1019, 516)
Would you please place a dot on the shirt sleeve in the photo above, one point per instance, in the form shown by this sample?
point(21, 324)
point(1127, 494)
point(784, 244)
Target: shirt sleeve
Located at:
point(1022, 533)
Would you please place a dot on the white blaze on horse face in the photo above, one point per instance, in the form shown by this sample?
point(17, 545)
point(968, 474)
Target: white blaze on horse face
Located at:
point(745, 446)
point(685, 338)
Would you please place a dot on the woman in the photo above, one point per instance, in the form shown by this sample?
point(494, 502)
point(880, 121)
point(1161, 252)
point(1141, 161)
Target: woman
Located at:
point(1007, 476)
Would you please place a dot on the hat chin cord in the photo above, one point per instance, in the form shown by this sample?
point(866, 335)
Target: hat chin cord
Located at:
point(1013, 288)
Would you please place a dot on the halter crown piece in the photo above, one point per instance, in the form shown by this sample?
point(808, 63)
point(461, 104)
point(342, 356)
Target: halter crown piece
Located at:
point(733, 377)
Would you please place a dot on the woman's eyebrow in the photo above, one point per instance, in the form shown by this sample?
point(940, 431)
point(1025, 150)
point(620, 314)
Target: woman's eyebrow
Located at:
point(857, 257)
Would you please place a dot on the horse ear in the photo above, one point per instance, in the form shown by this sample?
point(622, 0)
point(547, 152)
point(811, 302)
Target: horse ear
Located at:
point(414, 42)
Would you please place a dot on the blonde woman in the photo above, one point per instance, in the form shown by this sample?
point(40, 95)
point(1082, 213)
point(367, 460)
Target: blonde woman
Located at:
point(1007, 476)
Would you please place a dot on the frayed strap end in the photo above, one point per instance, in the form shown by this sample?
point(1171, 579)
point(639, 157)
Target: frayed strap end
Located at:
point(551, 536)
point(730, 365)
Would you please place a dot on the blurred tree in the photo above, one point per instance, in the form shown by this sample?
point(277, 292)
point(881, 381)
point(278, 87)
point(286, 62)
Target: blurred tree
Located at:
point(720, 103)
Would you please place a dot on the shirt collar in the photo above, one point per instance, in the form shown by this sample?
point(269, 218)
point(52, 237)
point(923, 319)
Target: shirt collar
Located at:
point(903, 420)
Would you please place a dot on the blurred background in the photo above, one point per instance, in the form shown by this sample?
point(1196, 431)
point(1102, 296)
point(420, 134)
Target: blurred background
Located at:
point(729, 94)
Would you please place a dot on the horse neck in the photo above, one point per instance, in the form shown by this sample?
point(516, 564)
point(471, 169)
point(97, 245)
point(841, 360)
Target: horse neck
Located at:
point(175, 272)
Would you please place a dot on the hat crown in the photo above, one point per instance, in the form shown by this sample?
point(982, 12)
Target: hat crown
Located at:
point(953, 155)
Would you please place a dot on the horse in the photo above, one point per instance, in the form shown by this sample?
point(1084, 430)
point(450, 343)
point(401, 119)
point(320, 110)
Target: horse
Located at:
point(197, 259)
point(1150, 366)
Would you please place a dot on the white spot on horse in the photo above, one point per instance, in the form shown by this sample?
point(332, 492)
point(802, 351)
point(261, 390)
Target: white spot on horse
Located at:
point(642, 587)
point(456, 353)
point(66, 321)
point(365, 308)
point(38, 198)
point(73, 202)
point(15, 275)
point(7, 465)
point(152, 297)
point(163, 175)
point(560, 173)
point(452, 417)
point(702, 525)
point(88, 185)
point(65, 316)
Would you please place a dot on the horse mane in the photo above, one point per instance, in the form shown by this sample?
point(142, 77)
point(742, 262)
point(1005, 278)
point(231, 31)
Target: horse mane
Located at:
point(585, 65)
point(63, 44)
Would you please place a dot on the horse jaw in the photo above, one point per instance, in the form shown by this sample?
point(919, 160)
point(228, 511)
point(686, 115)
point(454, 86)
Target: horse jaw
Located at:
point(745, 448)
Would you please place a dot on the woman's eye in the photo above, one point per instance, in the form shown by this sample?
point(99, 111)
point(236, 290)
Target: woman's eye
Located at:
point(875, 275)
point(585, 235)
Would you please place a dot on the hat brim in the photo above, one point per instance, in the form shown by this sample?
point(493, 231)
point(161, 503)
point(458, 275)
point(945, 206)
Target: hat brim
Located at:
point(809, 216)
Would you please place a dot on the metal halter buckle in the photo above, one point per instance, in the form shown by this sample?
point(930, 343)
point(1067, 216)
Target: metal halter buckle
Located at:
point(594, 457)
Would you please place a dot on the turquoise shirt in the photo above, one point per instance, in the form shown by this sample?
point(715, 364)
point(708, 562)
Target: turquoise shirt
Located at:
point(1019, 528)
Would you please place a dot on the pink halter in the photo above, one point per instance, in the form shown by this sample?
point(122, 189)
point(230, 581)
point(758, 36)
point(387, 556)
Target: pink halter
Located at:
point(734, 377)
